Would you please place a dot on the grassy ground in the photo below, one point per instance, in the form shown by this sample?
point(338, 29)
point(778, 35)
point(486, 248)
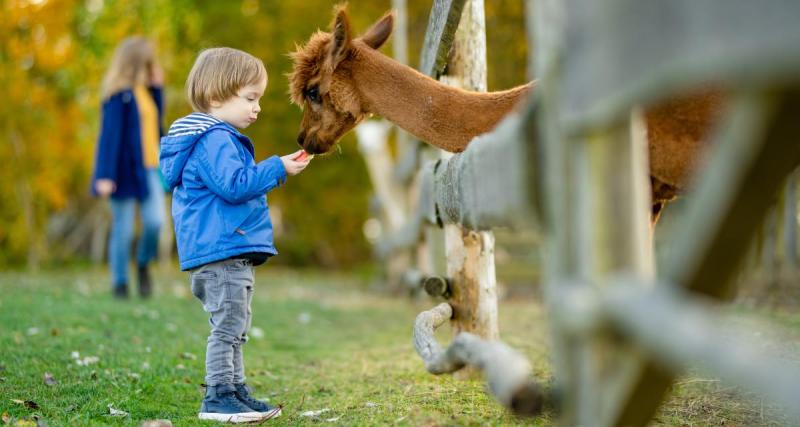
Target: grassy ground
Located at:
point(321, 342)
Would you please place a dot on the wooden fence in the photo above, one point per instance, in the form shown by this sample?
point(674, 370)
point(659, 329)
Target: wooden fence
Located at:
point(573, 162)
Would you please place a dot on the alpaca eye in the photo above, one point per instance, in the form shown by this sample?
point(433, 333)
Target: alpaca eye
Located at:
point(313, 94)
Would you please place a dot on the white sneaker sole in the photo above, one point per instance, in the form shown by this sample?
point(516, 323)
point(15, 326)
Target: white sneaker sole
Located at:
point(242, 417)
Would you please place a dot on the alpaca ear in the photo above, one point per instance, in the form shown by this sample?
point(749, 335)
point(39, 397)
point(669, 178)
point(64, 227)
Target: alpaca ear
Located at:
point(380, 31)
point(340, 44)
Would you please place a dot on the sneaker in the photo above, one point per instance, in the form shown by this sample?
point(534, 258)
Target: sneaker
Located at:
point(221, 404)
point(268, 411)
point(145, 284)
point(120, 291)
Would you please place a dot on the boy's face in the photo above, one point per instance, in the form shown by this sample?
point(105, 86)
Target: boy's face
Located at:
point(241, 110)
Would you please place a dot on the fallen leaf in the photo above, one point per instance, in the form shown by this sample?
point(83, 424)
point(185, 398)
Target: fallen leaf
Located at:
point(88, 360)
point(116, 412)
point(55, 332)
point(333, 420)
point(6, 419)
point(370, 404)
point(315, 413)
point(48, 379)
point(157, 423)
point(33, 330)
point(188, 356)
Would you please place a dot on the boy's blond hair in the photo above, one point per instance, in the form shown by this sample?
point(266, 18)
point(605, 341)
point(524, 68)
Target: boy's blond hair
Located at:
point(218, 74)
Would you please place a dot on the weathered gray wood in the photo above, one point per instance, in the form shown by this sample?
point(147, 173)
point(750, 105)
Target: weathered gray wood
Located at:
point(657, 47)
point(507, 372)
point(754, 154)
point(456, 191)
point(442, 24)
point(790, 223)
point(618, 53)
point(596, 209)
point(752, 158)
point(698, 336)
point(470, 254)
point(465, 194)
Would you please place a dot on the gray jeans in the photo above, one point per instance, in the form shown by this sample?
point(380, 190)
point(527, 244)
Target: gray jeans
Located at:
point(226, 290)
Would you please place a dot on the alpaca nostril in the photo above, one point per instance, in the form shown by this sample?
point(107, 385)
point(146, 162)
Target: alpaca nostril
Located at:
point(300, 138)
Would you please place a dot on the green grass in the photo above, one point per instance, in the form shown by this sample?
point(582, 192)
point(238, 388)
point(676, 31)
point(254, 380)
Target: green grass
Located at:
point(327, 343)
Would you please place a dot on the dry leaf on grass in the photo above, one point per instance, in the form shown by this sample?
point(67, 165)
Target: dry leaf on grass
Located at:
point(116, 412)
point(156, 423)
point(315, 413)
point(49, 380)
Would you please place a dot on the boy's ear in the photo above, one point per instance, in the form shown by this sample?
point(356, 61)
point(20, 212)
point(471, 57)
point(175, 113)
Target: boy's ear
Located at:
point(340, 43)
point(380, 31)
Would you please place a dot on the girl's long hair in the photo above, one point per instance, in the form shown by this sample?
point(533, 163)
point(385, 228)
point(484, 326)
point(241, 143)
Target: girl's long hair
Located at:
point(132, 64)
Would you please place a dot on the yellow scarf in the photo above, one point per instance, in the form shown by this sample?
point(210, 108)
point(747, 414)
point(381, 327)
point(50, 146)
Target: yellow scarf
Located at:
point(148, 121)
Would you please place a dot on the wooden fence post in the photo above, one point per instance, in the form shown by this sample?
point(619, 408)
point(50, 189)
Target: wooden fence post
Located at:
point(470, 254)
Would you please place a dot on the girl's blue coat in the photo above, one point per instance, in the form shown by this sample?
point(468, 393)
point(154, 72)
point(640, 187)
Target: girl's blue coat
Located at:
point(119, 146)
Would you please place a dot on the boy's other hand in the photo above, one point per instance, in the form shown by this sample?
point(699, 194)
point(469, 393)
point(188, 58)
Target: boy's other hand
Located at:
point(293, 166)
point(105, 187)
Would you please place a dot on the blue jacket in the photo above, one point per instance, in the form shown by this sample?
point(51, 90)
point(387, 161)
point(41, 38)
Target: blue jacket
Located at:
point(219, 206)
point(119, 145)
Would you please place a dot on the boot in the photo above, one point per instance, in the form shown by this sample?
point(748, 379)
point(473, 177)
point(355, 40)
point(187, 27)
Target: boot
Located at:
point(145, 284)
point(120, 291)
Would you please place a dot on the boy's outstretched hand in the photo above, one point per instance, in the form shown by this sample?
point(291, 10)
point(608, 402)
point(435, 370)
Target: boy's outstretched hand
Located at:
point(295, 163)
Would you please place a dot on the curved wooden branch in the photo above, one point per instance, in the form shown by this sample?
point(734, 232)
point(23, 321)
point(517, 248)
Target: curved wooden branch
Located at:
point(507, 372)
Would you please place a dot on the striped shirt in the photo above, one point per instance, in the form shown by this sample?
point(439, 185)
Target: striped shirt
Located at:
point(192, 124)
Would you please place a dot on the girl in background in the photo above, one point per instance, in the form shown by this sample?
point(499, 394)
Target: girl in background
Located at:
point(126, 166)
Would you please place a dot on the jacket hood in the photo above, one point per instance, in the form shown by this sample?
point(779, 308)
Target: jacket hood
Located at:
point(179, 143)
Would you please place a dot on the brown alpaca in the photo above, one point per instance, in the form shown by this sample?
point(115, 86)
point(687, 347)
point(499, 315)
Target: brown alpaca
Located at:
point(338, 80)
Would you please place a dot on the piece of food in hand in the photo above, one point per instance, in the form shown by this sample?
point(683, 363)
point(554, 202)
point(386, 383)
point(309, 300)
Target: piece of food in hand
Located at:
point(303, 156)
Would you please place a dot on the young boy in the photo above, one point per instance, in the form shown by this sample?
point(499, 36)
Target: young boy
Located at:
point(221, 218)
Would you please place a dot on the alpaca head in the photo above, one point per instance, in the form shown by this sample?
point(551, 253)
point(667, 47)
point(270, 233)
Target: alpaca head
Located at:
point(321, 82)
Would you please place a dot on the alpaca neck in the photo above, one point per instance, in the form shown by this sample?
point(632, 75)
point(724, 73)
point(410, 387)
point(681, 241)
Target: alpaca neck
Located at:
point(443, 116)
